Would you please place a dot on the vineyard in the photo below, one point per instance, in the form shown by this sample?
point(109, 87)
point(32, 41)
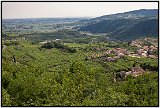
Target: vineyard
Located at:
point(33, 75)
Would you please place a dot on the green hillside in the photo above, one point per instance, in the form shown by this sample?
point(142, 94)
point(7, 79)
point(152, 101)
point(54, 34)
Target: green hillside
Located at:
point(33, 75)
point(125, 26)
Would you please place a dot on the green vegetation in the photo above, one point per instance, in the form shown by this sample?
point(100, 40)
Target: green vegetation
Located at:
point(47, 75)
point(60, 34)
point(49, 62)
point(125, 26)
point(8, 43)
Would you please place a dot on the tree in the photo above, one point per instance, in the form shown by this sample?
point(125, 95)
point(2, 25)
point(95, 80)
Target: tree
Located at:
point(6, 101)
point(48, 45)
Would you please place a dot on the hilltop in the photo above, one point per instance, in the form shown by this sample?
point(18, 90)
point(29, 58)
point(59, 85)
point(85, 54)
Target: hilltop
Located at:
point(125, 26)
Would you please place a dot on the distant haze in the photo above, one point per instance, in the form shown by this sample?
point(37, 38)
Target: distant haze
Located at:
point(69, 9)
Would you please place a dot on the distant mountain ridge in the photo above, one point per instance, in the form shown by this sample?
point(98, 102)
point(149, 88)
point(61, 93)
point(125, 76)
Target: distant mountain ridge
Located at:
point(131, 14)
point(128, 25)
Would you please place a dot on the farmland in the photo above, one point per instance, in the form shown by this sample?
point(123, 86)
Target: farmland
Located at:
point(49, 62)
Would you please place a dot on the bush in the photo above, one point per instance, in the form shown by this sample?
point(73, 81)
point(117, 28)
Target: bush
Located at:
point(11, 43)
point(57, 45)
point(48, 45)
point(5, 98)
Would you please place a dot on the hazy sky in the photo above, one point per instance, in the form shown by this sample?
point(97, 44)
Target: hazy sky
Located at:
point(69, 9)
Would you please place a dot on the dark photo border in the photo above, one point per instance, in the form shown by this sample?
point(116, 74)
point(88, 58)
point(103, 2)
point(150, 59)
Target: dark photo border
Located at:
point(77, 1)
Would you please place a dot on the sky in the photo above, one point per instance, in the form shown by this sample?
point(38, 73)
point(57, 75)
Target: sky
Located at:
point(69, 9)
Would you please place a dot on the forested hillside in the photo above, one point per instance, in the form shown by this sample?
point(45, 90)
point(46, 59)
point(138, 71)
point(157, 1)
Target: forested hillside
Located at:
point(128, 25)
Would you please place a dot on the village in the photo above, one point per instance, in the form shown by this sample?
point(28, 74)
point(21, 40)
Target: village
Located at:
point(112, 55)
point(146, 51)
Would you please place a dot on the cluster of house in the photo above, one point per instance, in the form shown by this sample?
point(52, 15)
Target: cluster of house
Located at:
point(140, 42)
point(151, 39)
point(136, 43)
point(135, 71)
point(46, 41)
point(146, 51)
point(118, 52)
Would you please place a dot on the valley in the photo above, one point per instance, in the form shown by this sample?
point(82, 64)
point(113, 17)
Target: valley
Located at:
point(105, 61)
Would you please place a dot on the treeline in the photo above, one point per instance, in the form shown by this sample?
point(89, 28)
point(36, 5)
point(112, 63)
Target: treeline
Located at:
point(8, 43)
point(58, 45)
point(60, 34)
